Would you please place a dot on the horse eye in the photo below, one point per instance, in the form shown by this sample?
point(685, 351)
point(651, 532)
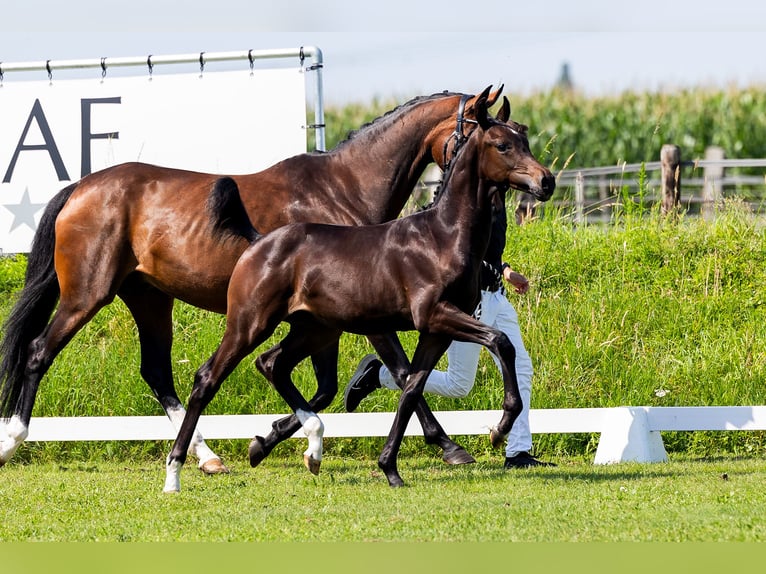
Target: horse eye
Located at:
point(502, 147)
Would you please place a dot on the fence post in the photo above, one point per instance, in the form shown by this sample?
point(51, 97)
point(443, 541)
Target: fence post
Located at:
point(670, 160)
point(711, 191)
point(579, 197)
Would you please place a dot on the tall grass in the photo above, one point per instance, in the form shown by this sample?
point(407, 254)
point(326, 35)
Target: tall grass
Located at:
point(641, 311)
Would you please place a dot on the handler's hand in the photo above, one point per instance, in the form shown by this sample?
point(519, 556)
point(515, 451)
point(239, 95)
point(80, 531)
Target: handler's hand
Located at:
point(519, 282)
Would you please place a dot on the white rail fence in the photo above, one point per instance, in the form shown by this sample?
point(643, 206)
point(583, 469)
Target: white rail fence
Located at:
point(628, 434)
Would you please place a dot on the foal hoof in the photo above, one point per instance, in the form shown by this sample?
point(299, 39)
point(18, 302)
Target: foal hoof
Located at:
point(257, 451)
point(395, 481)
point(214, 466)
point(457, 455)
point(496, 438)
point(311, 463)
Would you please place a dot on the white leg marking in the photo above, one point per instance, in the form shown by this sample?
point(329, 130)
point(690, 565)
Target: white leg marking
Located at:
point(198, 447)
point(172, 476)
point(313, 428)
point(12, 434)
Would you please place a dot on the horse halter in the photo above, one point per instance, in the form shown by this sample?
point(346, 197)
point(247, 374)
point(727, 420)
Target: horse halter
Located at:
point(459, 138)
point(458, 134)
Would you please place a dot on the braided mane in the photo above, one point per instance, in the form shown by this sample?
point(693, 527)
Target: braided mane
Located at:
point(395, 113)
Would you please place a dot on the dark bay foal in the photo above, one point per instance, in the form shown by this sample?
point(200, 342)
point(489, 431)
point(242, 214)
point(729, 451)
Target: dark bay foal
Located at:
point(420, 272)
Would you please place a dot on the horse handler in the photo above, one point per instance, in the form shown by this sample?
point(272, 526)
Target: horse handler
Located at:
point(463, 358)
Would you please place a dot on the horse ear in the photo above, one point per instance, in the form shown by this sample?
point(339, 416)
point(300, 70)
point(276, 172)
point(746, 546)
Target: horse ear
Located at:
point(504, 113)
point(492, 98)
point(482, 116)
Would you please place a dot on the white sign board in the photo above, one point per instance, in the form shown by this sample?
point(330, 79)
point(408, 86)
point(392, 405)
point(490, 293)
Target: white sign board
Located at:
point(53, 133)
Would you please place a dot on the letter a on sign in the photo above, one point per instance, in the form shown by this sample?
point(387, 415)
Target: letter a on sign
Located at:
point(49, 145)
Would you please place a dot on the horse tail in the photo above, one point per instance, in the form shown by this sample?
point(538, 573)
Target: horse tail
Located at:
point(34, 305)
point(227, 211)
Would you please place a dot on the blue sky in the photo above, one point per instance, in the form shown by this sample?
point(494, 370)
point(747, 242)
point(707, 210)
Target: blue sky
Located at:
point(402, 48)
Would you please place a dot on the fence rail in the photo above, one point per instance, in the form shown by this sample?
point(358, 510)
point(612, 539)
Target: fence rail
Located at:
point(590, 193)
point(627, 433)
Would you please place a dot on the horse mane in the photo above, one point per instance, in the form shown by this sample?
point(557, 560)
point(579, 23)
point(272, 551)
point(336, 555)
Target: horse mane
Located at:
point(398, 110)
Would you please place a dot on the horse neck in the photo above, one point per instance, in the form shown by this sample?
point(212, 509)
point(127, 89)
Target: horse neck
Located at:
point(395, 151)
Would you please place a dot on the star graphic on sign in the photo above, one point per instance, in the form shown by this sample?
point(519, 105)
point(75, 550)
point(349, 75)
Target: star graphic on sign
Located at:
point(24, 212)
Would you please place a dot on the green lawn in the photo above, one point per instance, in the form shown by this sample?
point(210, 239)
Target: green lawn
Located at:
point(97, 500)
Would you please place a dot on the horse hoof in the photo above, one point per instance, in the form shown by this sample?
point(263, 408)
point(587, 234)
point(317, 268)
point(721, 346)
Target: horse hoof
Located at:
point(395, 481)
point(457, 455)
point(496, 438)
point(214, 466)
point(311, 463)
point(257, 451)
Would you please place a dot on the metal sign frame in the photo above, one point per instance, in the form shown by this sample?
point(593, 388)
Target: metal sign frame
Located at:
point(311, 53)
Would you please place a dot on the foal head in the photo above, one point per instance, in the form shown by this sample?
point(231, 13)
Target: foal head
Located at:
point(505, 158)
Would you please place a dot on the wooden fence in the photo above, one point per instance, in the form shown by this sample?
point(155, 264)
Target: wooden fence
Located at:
point(698, 186)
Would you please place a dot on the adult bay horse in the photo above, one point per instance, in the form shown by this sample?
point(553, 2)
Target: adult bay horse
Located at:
point(426, 268)
point(143, 233)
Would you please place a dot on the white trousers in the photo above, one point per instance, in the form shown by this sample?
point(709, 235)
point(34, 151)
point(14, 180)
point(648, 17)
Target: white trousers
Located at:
point(463, 361)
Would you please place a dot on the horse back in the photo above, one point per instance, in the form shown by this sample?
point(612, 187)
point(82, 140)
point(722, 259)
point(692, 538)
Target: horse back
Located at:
point(360, 279)
point(151, 220)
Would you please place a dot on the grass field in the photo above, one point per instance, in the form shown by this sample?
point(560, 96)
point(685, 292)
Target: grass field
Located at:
point(94, 500)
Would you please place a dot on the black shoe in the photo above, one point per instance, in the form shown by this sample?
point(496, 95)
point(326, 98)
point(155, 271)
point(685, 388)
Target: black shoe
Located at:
point(364, 381)
point(524, 460)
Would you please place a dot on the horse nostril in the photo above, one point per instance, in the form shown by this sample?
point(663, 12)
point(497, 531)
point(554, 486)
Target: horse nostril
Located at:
point(549, 184)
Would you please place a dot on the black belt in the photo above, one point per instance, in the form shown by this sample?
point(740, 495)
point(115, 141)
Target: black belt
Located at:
point(495, 285)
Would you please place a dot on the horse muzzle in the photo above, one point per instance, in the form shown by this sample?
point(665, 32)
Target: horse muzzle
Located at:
point(541, 188)
point(546, 189)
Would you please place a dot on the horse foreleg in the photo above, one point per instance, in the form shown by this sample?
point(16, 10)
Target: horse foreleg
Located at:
point(390, 351)
point(427, 353)
point(152, 312)
point(450, 321)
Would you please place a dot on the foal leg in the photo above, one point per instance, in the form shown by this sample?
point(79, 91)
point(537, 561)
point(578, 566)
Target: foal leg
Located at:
point(276, 365)
point(428, 351)
point(152, 311)
point(325, 363)
point(390, 350)
point(449, 320)
point(235, 346)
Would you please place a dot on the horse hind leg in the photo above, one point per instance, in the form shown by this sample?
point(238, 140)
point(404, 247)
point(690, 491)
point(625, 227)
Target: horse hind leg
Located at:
point(325, 363)
point(13, 433)
point(152, 312)
point(277, 364)
point(66, 322)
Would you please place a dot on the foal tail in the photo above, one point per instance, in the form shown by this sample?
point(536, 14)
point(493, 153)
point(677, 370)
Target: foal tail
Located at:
point(227, 211)
point(34, 305)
